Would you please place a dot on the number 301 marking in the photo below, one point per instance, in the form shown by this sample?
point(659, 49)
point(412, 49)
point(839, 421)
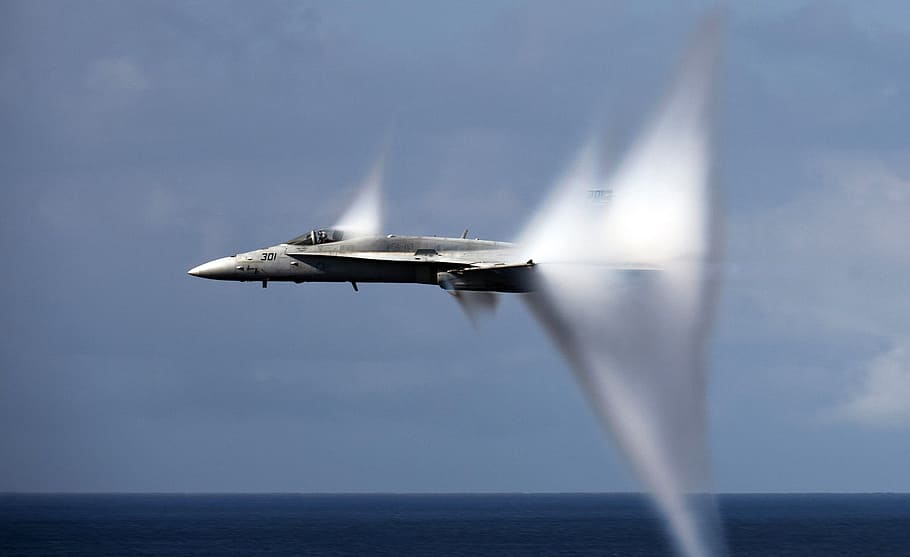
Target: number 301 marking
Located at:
point(268, 256)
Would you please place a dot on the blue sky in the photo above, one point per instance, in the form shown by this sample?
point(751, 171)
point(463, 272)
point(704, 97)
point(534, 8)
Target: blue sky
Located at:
point(142, 139)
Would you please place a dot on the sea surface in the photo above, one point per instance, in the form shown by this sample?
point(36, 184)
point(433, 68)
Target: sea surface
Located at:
point(438, 525)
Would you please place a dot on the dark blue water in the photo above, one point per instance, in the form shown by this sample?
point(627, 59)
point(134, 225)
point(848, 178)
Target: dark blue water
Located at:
point(443, 525)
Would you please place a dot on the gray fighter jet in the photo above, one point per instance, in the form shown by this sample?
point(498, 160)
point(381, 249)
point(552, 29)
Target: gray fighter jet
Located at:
point(355, 250)
point(330, 255)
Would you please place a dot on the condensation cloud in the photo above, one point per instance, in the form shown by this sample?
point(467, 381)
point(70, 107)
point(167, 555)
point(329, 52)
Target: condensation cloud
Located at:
point(364, 216)
point(627, 264)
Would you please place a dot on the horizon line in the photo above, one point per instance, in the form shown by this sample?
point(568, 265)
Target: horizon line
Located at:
point(435, 493)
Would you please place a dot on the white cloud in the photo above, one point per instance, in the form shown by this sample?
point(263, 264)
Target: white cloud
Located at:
point(835, 255)
point(831, 267)
point(883, 398)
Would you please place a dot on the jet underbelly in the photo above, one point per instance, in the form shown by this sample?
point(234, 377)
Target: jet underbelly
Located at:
point(347, 269)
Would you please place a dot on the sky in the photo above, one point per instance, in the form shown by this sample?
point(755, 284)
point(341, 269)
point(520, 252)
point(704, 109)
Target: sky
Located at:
point(141, 139)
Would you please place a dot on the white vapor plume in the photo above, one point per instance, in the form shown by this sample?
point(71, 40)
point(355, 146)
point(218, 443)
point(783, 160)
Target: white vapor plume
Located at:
point(364, 216)
point(476, 305)
point(627, 265)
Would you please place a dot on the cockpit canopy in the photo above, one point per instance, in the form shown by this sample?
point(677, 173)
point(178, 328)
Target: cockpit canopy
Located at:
point(318, 236)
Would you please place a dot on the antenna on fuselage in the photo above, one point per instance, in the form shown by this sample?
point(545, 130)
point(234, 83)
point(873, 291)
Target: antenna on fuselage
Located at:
point(464, 234)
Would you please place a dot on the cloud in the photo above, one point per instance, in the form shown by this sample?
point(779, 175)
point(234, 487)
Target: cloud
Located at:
point(828, 268)
point(883, 397)
point(839, 238)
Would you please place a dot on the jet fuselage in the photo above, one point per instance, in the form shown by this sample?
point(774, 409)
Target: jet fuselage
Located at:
point(391, 258)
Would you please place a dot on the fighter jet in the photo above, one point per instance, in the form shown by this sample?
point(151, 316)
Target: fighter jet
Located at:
point(338, 255)
point(355, 250)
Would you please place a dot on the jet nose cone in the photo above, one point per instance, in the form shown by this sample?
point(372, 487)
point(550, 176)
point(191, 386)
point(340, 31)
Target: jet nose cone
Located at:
point(222, 269)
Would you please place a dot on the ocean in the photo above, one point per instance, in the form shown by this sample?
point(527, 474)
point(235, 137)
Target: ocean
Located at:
point(438, 525)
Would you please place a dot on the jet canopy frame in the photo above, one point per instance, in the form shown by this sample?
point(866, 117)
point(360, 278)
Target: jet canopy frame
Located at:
point(318, 236)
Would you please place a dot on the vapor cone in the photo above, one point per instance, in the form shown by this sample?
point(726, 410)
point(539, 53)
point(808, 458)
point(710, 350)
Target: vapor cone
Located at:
point(626, 289)
point(364, 216)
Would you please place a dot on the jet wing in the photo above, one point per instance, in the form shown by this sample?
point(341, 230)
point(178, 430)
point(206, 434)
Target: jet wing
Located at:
point(456, 271)
point(462, 271)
